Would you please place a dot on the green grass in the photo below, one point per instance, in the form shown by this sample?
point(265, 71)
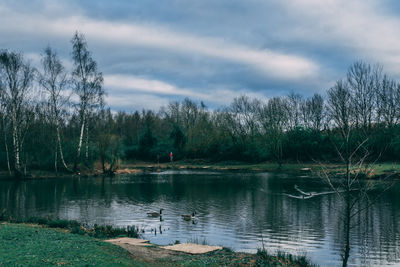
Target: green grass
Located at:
point(34, 245)
point(282, 259)
point(378, 169)
point(27, 245)
point(229, 165)
point(98, 231)
point(386, 167)
point(226, 257)
point(214, 259)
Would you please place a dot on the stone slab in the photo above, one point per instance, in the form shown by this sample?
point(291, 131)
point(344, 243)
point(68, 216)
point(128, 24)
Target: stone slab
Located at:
point(129, 241)
point(192, 248)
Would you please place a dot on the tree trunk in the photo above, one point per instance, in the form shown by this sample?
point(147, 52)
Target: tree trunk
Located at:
point(17, 158)
point(55, 160)
point(60, 149)
point(87, 144)
point(7, 155)
point(78, 152)
point(25, 164)
point(111, 168)
point(347, 213)
point(346, 255)
point(103, 161)
point(6, 147)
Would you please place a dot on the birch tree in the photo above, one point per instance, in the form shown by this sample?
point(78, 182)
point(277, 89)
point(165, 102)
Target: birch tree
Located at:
point(5, 127)
point(17, 76)
point(54, 81)
point(87, 81)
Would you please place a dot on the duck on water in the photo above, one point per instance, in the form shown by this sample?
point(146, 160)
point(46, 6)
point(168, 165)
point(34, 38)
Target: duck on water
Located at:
point(155, 213)
point(188, 217)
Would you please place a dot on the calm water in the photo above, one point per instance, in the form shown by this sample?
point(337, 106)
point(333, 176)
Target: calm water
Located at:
point(240, 211)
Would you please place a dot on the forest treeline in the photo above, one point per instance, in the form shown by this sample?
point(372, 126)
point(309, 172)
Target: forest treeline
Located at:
point(53, 118)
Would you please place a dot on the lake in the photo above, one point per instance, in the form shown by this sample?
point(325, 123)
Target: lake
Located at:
point(242, 211)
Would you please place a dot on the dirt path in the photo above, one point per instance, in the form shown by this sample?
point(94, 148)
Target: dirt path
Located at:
point(152, 255)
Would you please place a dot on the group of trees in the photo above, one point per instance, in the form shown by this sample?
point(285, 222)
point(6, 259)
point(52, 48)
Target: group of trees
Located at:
point(52, 118)
point(36, 108)
point(285, 128)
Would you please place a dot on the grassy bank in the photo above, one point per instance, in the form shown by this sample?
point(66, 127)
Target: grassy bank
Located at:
point(379, 170)
point(36, 245)
point(98, 231)
point(33, 245)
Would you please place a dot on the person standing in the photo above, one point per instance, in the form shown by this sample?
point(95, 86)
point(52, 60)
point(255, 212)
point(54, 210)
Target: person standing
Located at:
point(171, 157)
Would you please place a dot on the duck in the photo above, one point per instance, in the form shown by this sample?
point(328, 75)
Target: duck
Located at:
point(188, 217)
point(155, 213)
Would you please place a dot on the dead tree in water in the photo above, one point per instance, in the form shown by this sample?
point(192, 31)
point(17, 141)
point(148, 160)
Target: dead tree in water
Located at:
point(353, 186)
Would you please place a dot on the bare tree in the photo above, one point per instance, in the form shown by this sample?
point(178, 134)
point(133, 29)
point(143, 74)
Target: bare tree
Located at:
point(352, 187)
point(54, 81)
point(305, 113)
point(274, 118)
point(172, 112)
point(109, 144)
point(388, 101)
point(312, 111)
point(340, 108)
point(242, 116)
point(316, 107)
point(294, 109)
point(88, 83)
point(362, 80)
point(5, 124)
point(17, 77)
point(189, 113)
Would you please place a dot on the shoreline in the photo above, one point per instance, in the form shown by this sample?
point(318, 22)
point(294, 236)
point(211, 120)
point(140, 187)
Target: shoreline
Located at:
point(60, 246)
point(379, 170)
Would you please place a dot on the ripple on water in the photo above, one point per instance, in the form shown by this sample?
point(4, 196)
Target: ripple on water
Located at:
point(236, 210)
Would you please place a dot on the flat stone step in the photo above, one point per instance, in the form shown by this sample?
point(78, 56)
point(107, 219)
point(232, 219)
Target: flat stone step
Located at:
point(192, 248)
point(129, 241)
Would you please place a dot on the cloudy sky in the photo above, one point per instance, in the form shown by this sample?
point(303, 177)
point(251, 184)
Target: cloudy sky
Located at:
point(152, 51)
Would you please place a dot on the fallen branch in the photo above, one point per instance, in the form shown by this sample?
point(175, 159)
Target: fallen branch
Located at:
point(306, 195)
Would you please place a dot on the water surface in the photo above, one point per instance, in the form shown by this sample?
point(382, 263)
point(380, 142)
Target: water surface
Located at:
point(241, 211)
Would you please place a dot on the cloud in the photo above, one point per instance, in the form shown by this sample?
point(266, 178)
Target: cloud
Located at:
point(127, 88)
point(364, 29)
point(210, 50)
point(132, 83)
point(136, 101)
point(274, 64)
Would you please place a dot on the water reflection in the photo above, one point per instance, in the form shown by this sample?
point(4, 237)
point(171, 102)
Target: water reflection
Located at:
point(234, 210)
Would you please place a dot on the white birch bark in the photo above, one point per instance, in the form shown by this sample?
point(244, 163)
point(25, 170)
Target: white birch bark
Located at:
point(78, 153)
